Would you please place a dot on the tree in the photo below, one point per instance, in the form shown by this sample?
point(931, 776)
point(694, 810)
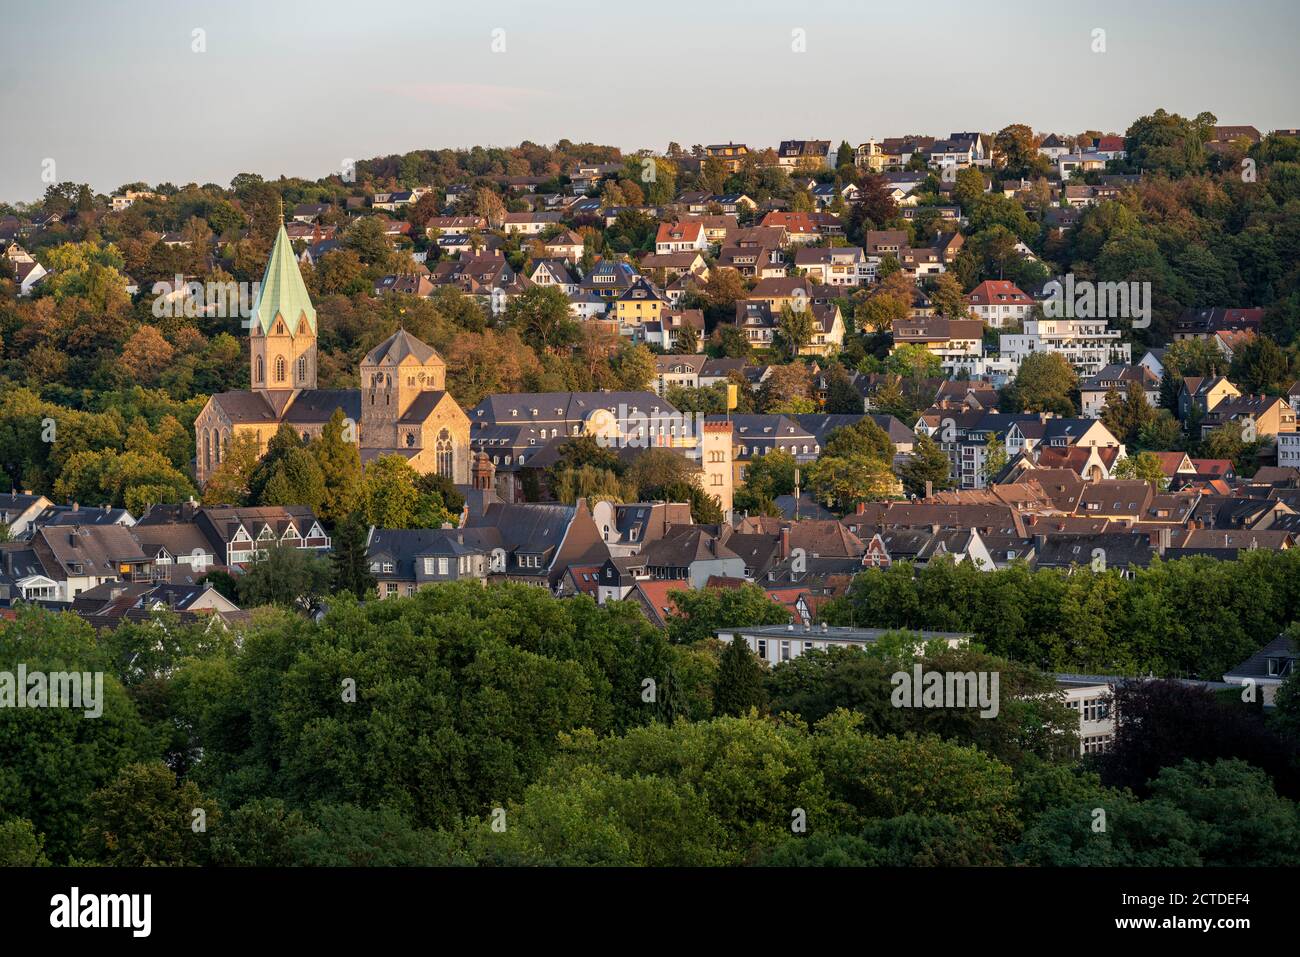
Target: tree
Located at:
point(842, 396)
point(915, 361)
point(688, 340)
point(739, 685)
point(700, 612)
point(391, 497)
point(541, 315)
point(794, 329)
point(928, 465)
point(287, 576)
point(288, 474)
point(1166, 722)
point(1045, 382)
point(995, 457)
point(339, 459)
point(787, 389)
point(948, 298)
point(863, 437)
point(729, 342)
point(842, 482)
point(53, 758)
point(228, 484)
point(1259, 366)
point(351, 564)
point(1019, 150)
point(890, 302)
point(1126, 415)
point(1144, 467)
point(146, 818)
point(635, 368)
point(20, 845)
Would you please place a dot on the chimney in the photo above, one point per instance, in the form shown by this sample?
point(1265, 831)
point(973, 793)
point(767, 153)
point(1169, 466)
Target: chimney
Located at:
point(75, 506)
point(785, 542)
point(862, 508)
point(929, 488)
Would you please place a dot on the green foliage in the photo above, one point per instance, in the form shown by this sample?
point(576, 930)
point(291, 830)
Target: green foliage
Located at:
point(1190, 617)
point(285, 575)
point(20, 845)
point(739, 684)
point(700, 612)
point(144, 817)
point(51, 759)
point(351, 565)
point(927, 464)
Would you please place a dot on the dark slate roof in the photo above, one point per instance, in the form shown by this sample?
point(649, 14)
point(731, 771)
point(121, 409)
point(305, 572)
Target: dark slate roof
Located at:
point(81, 515)
point(1256, 666)
point(405, 546)
point(683, 545)
point(1121, 549)
point(241, 407)
point(400, 345)
point(528, 526)
point(317, 405)
point(422, 406)
point(807, 507)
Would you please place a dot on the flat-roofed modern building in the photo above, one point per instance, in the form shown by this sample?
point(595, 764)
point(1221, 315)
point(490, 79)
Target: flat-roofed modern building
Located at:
point(777, 643)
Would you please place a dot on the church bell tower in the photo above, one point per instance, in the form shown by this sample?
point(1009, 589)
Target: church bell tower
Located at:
point(282, 329)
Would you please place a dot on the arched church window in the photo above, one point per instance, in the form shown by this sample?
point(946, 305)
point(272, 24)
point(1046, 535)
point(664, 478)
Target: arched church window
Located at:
point(444, 457)
point(279, 368)
point(261, 370)
point(302, 368)
point(207, 449)
point(410, 440)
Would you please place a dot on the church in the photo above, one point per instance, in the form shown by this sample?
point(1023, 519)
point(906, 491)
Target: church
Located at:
point(402, 407)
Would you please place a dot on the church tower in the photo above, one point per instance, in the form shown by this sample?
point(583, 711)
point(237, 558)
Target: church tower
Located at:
point(394, 375)
point(282, 330)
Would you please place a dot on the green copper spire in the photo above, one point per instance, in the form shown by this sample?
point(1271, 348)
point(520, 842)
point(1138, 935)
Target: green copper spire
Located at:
point(282, 291)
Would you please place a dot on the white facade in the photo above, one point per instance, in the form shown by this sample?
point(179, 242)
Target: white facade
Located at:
point(1288, 450)
point(1089, 345)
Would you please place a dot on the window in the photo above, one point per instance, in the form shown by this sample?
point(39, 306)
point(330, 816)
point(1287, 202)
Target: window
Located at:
point(279, 368)
point(785, 651)
point(428, 566)
point(762, 648)
point(1096, 709)
point(1096, 743)
point(302, 368)
point(444, 567)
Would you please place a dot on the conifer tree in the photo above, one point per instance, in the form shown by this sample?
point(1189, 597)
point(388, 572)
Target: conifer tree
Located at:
point(739, 685)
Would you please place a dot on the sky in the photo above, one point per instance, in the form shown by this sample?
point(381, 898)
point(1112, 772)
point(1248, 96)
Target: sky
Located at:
point(116, 92)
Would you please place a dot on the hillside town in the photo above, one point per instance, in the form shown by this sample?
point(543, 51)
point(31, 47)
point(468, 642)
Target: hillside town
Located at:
point(1021, 397)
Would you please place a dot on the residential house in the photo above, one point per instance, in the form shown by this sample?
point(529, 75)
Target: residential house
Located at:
point(403, 560)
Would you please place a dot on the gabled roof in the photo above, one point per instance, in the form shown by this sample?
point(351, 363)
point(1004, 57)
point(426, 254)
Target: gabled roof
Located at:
point(398, 346)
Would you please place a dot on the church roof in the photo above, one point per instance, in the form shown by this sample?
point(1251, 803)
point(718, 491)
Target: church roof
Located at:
point(282, 291)
point(398, 346)
point(422, 407)
point(308, 406)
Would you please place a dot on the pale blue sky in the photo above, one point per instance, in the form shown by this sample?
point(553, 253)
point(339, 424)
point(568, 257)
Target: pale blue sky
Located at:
point(113, 93)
